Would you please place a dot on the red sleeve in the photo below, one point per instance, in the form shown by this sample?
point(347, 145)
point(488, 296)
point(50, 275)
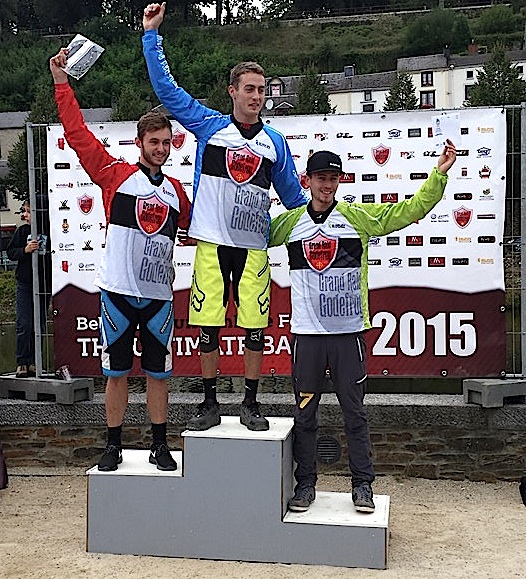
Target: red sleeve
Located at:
point(185, 207)
point(104, 170)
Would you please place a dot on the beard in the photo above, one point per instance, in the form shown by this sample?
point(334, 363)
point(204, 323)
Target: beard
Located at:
point(156, 161)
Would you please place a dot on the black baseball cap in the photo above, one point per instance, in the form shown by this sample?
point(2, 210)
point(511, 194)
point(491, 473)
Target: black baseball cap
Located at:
point(324, 161)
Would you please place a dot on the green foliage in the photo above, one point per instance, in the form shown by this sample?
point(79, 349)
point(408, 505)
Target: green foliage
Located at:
point(7, 296)
point(430, 33)
point(401, 96)
point(498, 83)
point(129, 106)
point(312, 96)
point(496, 19)
point(218, 97)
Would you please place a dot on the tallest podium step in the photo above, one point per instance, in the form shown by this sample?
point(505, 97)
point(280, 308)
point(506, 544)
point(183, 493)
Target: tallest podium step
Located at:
point(228, 500)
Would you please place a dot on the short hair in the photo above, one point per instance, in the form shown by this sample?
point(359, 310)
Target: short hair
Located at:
point(152, 121)
point(242, 68)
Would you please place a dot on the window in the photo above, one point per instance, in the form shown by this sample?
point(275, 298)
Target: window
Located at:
point(367, 95)
point(426, 79)
point(469, 74)
point(275, 90)
point(467, 91)
point(427, 99)
point(520, 69)
point(368, 108)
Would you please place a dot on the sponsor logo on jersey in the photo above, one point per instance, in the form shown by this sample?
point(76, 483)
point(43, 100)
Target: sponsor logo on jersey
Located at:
point(85, 203)
point(151, 213)
point(242, 164)
point(320, 251)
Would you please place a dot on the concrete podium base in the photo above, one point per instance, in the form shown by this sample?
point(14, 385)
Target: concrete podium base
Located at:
point(493, 393)
point(228, 500)
point(47, 389)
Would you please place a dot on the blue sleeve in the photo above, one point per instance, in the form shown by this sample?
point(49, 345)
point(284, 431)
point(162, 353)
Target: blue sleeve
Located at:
point(284, 176)
point(187, 110)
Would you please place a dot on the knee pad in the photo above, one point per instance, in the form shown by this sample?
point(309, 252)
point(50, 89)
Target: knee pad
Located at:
point(255, 339)
point(208, 339)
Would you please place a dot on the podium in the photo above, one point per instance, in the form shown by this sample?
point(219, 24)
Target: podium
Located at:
point(227, 500)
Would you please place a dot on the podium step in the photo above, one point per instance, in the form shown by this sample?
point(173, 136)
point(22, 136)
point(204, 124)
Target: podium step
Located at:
point(228, 500)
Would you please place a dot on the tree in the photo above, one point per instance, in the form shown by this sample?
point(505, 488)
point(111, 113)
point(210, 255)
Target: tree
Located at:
point(7, 16)
point(218, 97)
point(274, 9)
point(401, 96)
point(312, 96)
point(17, 181)
point(498, 83)
point(129, 106)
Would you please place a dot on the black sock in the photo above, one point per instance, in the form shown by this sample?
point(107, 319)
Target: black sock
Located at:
point(210, 389)
point(159, 433)
point(251, 390)
point(114, 435)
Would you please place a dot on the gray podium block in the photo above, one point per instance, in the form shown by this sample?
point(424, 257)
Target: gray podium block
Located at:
point(228, 500)
point(47, 389)
point(491, 393)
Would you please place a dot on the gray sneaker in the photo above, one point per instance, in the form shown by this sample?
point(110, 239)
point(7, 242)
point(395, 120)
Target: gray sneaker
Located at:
point(251, 417)
point(302, 499)
point(362, 497)
point(207, 415)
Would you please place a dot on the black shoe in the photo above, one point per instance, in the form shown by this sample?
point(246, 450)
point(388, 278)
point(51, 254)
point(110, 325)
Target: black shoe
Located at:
point(362, 497)
point(207, 416)
point(111, 458)
point(160, 455)
point(302, 499)
point(252, 418)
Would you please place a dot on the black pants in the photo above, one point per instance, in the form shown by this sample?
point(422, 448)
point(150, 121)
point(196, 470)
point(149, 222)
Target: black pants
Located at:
point(344, 354)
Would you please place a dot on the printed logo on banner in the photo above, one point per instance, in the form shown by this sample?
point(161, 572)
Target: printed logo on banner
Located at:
point(431, 154)
point(85, 203)
point(369, 177)
point(294, 137)
point(462, 216)
point(437, 240)
point(443, 218)
point(462, 152)
point(462, 239)
point(414, 133)
point(381, 154)
point(394, 176)
point(429, 132)
point(151, 213)
point(395, 262)
point(486, 239)
point(412, 240)
point(393, 241)
point(374, 262)
point(462, 196)
point(368, 198)
point(436, 261)
point(394, 134)
point(389, 198)
point(62, 166)
point(344, 136)
point(64, 205)
point(87, 246)
point(460, 261)
point(242, 164)
point(186, 161)
point(351, 157)
point(102, 225)
point(66, 247)
point(486, 195)
point(486, 216)
point(320, 251)
point(370, 134)
point(374, 242)
point(349, 198)
point(127, 142)
point(61, 143)
point(65, 266)
point(486, 260)
point(64, 185)
point(347, 178)
point(485, 130)
point(485, 172)
point(105, 141)
point(407, 154)
point(464, 130)
point(415, 176)
point(178, 139)
point(414, 262)
point(65, 226)
point(85, 226)
point(321, 136)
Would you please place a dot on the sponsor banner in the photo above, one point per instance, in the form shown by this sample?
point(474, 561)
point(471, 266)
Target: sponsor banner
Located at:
point(386, 158)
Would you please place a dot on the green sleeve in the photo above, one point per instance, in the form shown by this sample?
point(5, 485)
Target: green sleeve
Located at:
point(384, 218)
point(282, 226)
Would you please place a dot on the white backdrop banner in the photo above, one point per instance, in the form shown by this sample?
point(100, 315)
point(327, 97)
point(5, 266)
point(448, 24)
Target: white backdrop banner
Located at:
point(437, 286)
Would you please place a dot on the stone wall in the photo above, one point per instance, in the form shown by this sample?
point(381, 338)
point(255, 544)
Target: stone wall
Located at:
point(430, 436)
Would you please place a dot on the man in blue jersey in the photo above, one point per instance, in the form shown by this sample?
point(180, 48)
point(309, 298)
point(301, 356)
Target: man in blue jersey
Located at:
point(238, 158)
point(327, 246)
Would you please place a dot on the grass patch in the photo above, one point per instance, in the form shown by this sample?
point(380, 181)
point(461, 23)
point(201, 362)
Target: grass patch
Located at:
point(7, 297)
